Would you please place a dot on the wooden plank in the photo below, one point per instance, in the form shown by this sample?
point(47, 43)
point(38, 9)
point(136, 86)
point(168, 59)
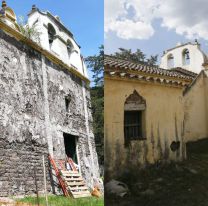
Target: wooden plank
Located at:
point(59, 177)
point(79, 188)
point(82, 195)
point(69, 172)
point(71, 175)
point(74, 183)
point(73, 179)
point(68, 176)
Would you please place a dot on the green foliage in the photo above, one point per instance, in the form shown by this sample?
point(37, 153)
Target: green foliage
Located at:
point(64, 201)
point(30, 32)
point(137, 56)
point(96, 65)
point(97, 99)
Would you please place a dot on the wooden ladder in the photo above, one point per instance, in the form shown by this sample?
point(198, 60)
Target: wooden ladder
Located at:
point(71, 181)
point(59, 177)
point(75, 184)
point(71, 163)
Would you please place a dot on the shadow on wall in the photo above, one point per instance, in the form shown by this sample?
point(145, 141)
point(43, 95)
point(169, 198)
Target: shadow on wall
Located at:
point(200, 146)
point(157, 149)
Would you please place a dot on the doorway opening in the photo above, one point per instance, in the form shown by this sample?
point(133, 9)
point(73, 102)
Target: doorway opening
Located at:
point(70, 142)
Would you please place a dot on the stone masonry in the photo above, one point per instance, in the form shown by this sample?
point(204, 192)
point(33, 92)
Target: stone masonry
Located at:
point(33, 117)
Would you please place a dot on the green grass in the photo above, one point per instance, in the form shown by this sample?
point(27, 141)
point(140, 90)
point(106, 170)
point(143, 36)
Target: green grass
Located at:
point(63, 201)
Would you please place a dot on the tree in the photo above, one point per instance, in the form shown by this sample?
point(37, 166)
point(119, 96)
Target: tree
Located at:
point(137, 56)
point(152, 60)
point(30, 32)
point(96, 65)
point(97, 101)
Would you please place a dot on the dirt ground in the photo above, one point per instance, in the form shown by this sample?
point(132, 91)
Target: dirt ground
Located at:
point(176, 184)
point(14, 204)
point(10, 202)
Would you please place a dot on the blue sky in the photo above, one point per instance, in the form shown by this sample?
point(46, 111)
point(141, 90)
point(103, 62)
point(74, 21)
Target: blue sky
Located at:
point(155, 25)
point(162, 40)
point(84, 18)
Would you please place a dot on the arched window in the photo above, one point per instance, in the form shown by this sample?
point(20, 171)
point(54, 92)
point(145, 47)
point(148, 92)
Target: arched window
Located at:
point(134, 109)
point(69, 48)
point(170, 61)
point(51, 34)
point(186, 57)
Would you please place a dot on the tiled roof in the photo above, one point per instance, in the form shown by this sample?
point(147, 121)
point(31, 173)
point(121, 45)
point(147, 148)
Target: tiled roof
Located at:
point(125, 65)
point(184, 71)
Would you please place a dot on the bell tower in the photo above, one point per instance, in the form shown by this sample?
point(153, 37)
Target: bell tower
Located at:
point(8, 16)
point(187, 56)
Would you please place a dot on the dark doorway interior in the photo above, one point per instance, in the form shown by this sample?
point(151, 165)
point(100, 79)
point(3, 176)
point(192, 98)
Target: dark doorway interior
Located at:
point(70, 146)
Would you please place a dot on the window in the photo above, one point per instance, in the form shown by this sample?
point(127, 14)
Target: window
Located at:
point(51, 34)
point(186, 57)
point(133, 125)
point(69, 48)
point(134, 111)
point(170, 61)
point(67, 102)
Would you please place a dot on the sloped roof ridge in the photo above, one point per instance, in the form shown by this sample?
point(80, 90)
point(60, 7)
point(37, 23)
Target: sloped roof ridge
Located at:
point(184, 71)
point(142, 67)
point(132, 61)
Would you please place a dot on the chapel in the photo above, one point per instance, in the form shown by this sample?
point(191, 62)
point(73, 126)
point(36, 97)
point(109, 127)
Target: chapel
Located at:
point(152, 112)
point(45, 108)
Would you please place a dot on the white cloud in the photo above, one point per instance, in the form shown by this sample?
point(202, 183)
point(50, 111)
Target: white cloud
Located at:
point(128, 29)
point(130, 19)
point(187, 17)
point(133, 19)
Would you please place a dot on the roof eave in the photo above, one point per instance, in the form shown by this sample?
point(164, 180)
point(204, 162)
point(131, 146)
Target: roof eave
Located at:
point(155, 78)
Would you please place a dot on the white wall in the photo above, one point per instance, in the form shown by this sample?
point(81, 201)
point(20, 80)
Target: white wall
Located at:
point(59, 47)
point(197, 57)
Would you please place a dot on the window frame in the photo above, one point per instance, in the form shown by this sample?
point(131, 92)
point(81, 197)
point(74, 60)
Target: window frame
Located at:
point(185, 54)
point(170, 61)
point(69, 45)
point(133, 127)
point(134, 105)
point(51, 34)
point(68, 100)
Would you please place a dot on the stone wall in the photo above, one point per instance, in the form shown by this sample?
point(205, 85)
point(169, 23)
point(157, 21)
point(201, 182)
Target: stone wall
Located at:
point(33, 116)
point(18, 162)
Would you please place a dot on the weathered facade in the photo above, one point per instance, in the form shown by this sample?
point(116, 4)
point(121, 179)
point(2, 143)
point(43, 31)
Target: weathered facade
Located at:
point(163, 102)
point(44, 109)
